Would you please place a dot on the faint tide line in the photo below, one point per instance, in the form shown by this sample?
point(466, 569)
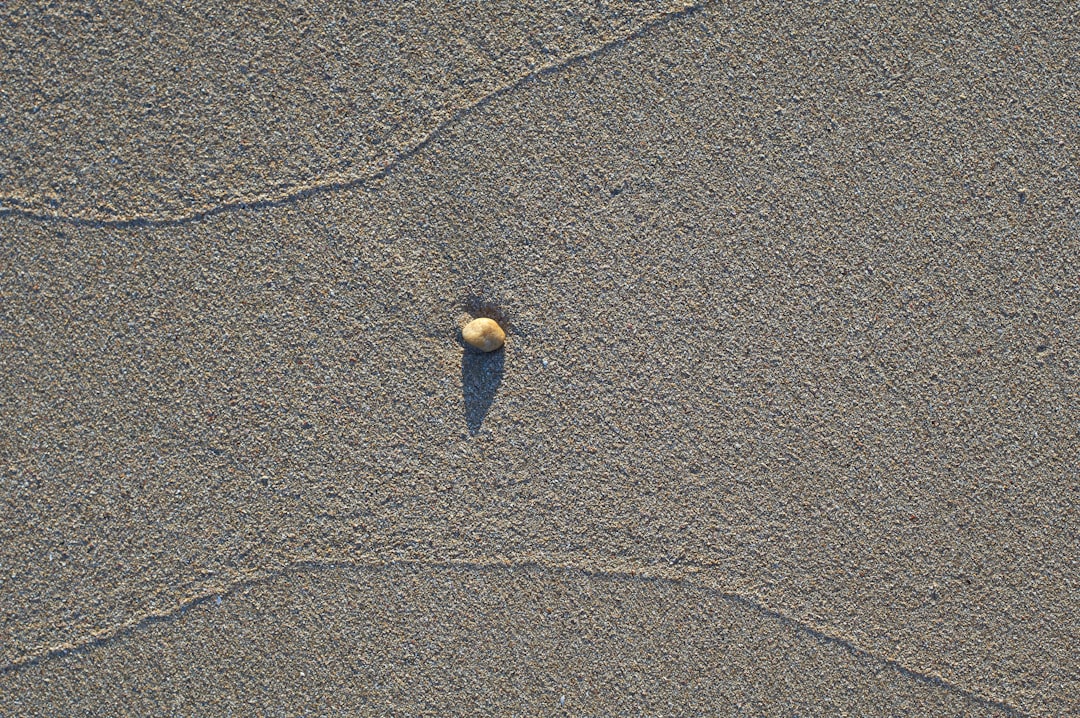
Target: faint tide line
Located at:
point(335, 182)
point(680, 573)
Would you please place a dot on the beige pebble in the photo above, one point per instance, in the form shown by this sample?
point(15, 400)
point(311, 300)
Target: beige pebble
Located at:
point(484, 334)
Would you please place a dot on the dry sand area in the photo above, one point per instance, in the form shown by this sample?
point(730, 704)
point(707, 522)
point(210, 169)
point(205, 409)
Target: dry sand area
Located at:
point(786, 422)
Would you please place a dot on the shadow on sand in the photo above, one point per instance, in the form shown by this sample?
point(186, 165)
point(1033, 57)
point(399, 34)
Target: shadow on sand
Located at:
point(481, 375)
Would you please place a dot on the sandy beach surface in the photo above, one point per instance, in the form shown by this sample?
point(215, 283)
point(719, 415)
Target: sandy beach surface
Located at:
point(786, 422)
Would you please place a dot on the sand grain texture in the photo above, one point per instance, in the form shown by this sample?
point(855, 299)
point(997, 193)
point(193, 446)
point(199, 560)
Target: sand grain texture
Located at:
point(853, 483)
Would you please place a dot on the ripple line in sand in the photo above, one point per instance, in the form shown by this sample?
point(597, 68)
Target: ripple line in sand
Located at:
point(10, 205)
point(688, 574)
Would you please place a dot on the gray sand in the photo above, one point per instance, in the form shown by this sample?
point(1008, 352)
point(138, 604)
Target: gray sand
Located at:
point(786, 420)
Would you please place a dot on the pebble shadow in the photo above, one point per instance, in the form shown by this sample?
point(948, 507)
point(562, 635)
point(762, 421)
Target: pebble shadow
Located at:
point(481, 375)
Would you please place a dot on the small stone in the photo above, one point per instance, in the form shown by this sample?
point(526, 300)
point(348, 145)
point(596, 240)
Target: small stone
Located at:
point(484, 334)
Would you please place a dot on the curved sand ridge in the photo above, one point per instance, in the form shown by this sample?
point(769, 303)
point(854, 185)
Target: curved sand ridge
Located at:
point(127, 113)
point(647, 634)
